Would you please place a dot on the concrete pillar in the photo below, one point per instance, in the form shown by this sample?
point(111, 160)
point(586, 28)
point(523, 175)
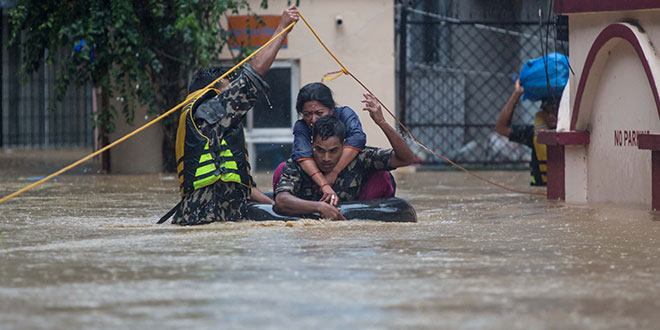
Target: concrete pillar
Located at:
point(652, 142)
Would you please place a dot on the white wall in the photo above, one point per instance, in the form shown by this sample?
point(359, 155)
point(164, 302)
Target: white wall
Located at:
point(584, 28)
point(364, 43)
point(617, 98)
point(622, 101)
point(142, 153)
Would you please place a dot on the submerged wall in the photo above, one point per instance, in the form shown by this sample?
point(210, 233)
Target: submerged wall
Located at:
point(612, 97)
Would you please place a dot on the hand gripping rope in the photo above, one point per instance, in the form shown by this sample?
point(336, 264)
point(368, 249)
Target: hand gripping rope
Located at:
point(157, 119)
point(202, 91)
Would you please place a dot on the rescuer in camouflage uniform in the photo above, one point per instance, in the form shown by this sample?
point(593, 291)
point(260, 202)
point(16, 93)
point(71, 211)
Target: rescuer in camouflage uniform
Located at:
point(219, 119)
point(222, 201)
point(297, 194)
point(347, 186)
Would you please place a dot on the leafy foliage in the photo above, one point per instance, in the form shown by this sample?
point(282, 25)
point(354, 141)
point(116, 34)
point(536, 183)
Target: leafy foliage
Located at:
point(138, 51)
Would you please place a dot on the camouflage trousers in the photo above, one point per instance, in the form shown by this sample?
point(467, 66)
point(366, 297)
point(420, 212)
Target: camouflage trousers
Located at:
point(222, 201)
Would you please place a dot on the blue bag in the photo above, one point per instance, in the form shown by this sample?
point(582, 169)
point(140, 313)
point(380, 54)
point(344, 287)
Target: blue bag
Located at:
point(533, 76)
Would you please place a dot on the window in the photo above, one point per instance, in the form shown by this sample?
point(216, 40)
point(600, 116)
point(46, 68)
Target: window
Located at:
point(268, 131)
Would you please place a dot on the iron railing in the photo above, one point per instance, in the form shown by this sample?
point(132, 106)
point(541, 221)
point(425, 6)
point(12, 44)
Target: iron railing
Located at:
point(455, 75)
point(28, 117)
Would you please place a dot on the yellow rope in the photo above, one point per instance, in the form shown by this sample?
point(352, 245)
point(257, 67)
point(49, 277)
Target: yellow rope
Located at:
point(345, 71)
point(200, 92)
point(125, 137)
point(336, 75)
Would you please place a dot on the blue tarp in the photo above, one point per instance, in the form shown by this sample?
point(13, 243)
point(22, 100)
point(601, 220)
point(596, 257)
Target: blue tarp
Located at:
point(534, 79)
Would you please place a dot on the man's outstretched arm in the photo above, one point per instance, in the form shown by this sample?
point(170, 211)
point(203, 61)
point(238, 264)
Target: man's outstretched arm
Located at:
point(244, 95)
point(263, 60)
point(401, 153)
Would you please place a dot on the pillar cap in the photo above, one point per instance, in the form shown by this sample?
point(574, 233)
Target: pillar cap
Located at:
point(567, 138)
point(648, 141)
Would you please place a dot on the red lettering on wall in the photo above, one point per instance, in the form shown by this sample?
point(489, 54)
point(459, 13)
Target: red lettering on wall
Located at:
point(627, 138)
point(617, 138)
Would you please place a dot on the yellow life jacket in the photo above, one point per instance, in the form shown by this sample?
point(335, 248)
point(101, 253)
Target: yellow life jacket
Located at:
point(539, 167)
point(200, 164)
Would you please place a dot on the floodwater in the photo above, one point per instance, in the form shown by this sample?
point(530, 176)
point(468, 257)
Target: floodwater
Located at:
point(83, 251)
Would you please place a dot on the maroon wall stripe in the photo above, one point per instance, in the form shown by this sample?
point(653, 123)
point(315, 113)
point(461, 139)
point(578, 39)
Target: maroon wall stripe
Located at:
point(584, 6)
point(655, 180)
point(648, 141)
point(616, 30)
point(554, 138)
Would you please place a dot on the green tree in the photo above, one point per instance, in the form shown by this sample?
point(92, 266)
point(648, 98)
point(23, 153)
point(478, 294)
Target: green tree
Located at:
point(138, 51)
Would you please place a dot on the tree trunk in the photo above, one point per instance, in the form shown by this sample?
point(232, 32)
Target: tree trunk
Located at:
point(101, 110)
point(169, 143)
point(173, 82)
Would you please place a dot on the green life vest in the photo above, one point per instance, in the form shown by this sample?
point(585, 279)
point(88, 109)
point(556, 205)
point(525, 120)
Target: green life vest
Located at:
point(199, 163)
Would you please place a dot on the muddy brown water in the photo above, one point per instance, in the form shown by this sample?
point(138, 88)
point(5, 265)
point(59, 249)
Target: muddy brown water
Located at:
point(83, 251)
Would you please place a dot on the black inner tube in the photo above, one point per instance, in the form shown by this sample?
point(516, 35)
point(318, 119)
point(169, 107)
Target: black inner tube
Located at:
point(392, 209)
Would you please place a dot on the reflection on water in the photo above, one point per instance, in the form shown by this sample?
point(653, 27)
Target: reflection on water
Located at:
point(83, 251)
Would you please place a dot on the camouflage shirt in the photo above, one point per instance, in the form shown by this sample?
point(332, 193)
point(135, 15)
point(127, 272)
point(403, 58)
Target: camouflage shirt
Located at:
point(222, 201)
point(347, 185)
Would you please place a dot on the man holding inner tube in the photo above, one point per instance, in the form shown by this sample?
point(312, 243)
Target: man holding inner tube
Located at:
point(297, 194)
point(212, 161)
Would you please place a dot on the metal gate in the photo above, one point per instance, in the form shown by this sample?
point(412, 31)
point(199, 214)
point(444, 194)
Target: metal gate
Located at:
point(455, 75)
point(28, 117)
